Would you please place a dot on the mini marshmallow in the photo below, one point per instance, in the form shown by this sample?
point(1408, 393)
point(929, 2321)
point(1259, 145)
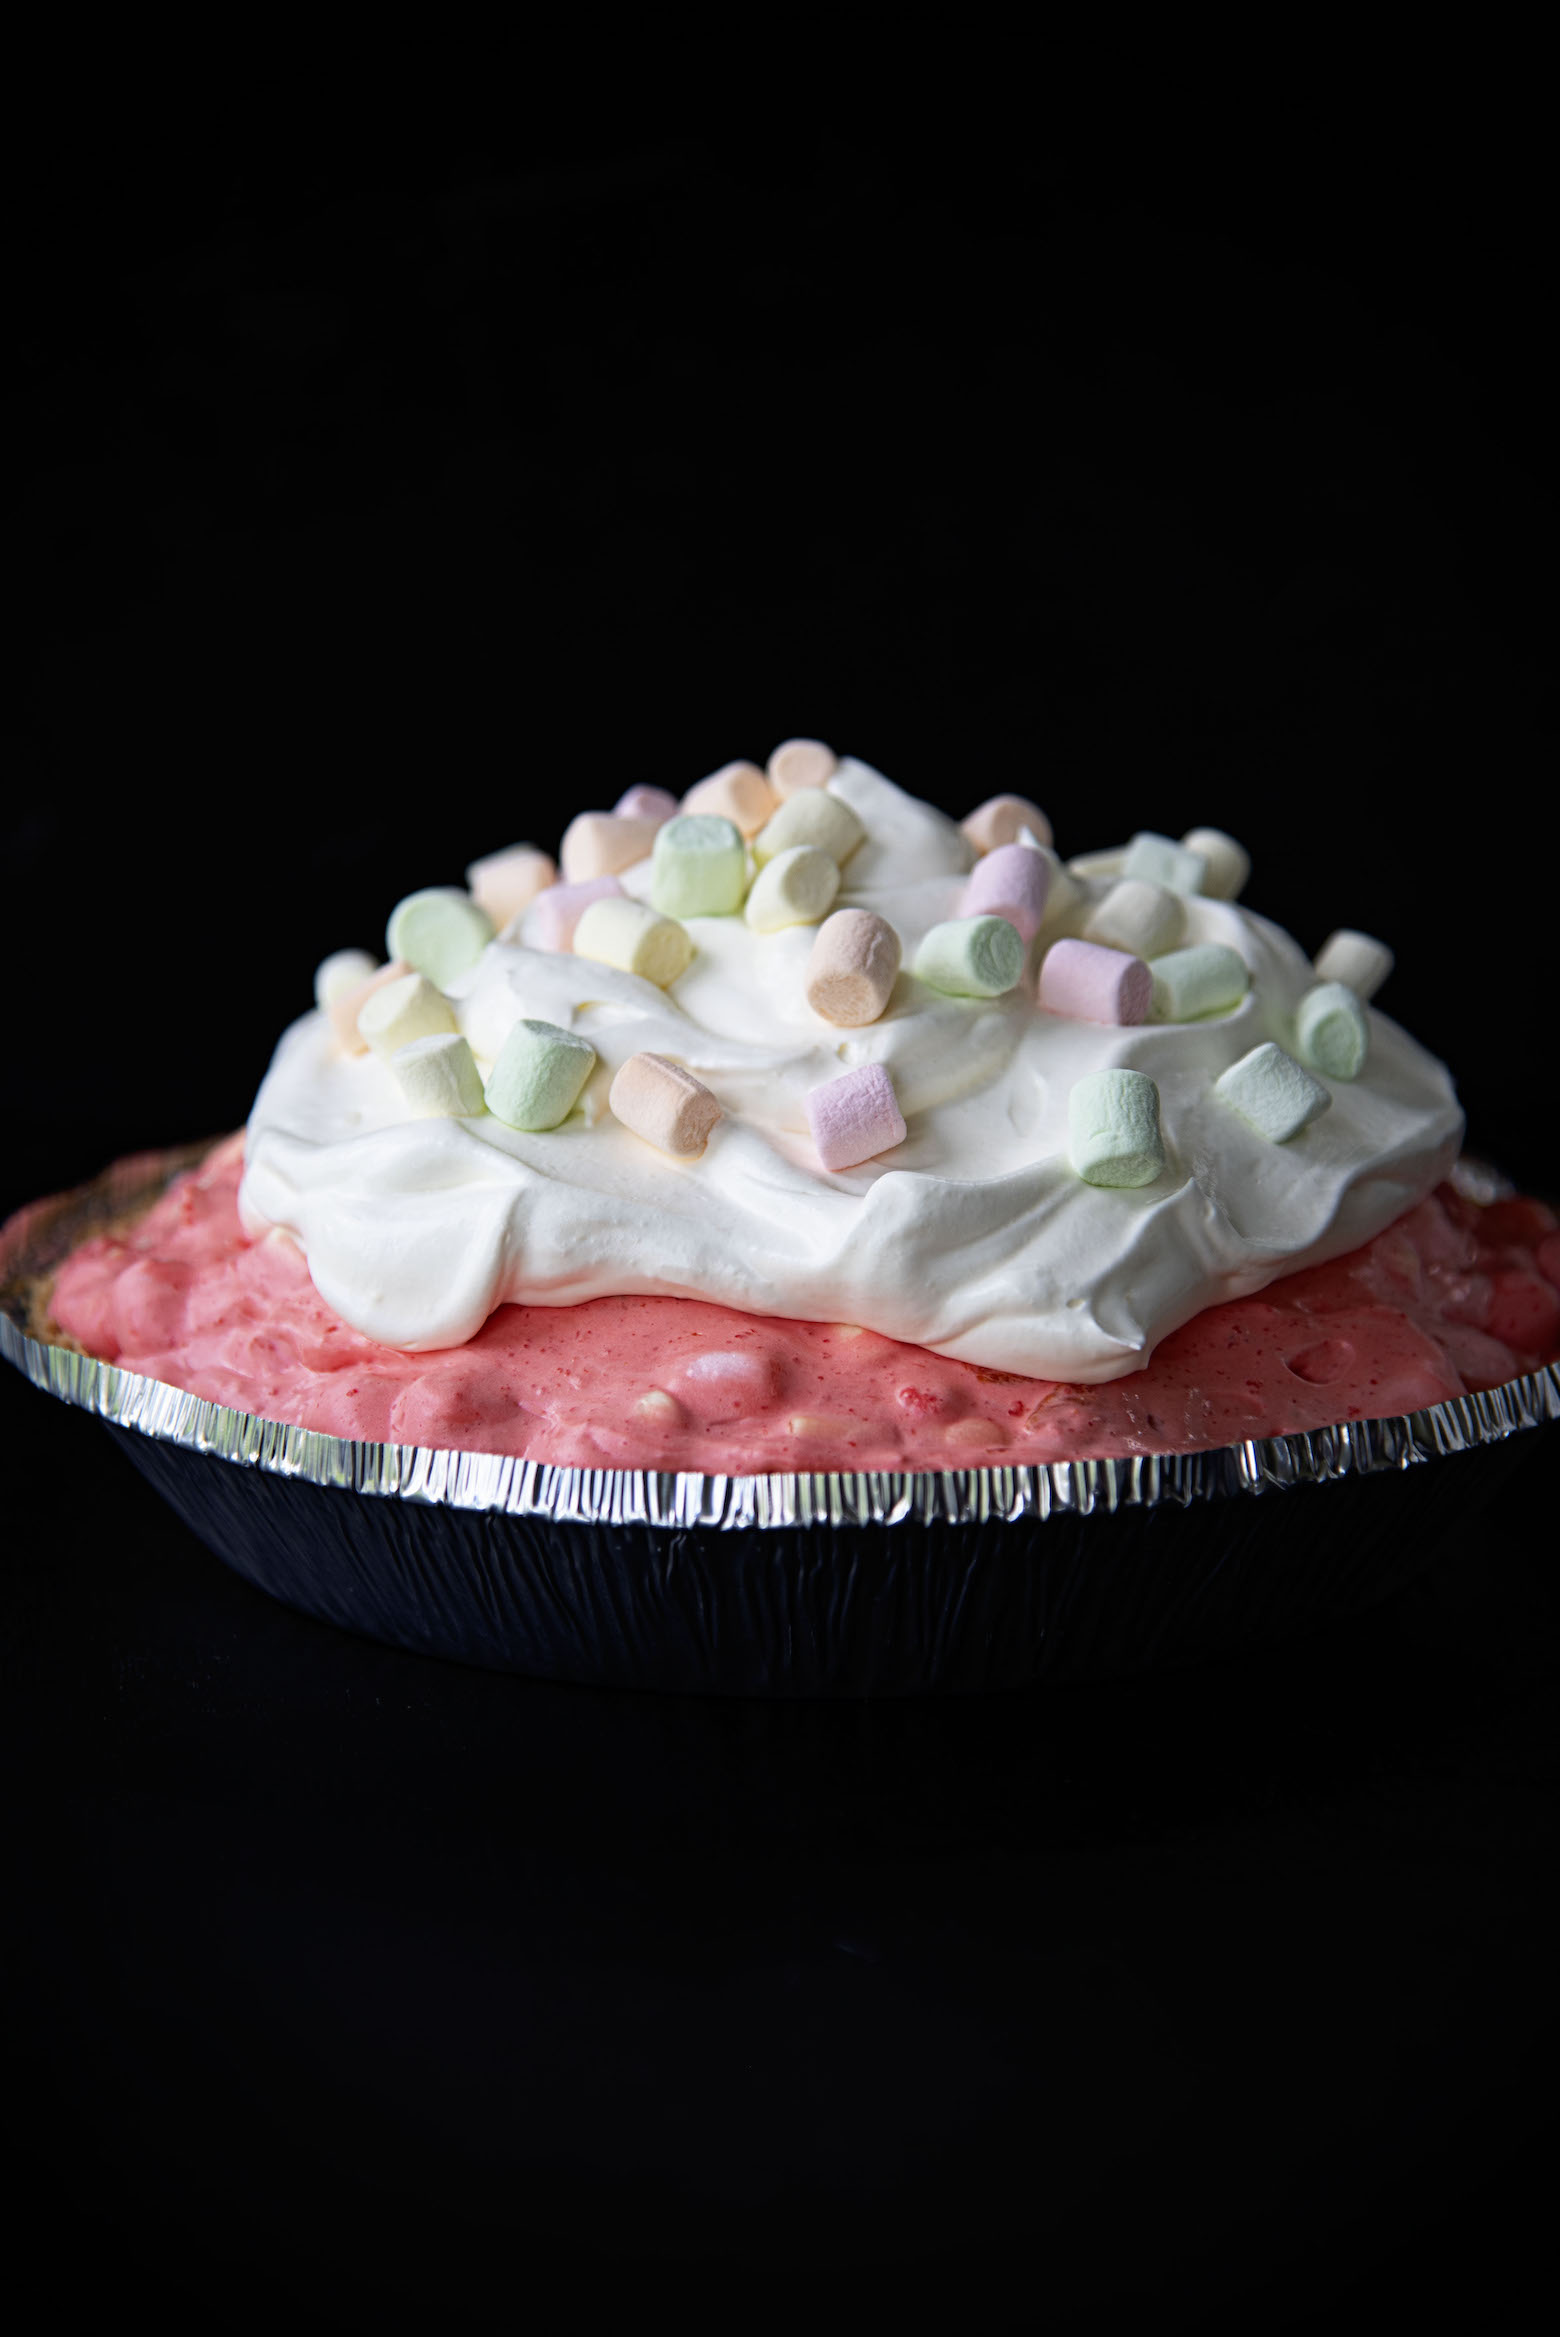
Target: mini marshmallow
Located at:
point(1355, 958)
point(635, 939)
point(971, 957)
point(1143, 918)
point(738, 792)
point(813, 817)
point(601, 843)
point(1090, 983)
point(1272, 1093)
point(799, 763)
point(506, 883)
point(550, 921)
point(1093, 867)
point(1063, 893)
point(1001, 819)
point(663, 1103)
point(1160, 860)
point(853, 968)
point(1228, 864)
point(855, 1117)
point(1113, 1133)
point(439, 1077)
point(440, 931)
point(1208, 978)
point(1011, 881)
point(699, 867)
point(795, 888)
point(343, 970)
point(646, 803)
point(1331, 1033)
point(344, 1011)
point(401, 1011)
point(538, 1076)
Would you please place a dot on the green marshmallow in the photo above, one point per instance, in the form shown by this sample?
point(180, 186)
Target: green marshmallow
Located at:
point(1272, 1093)
point(1161, 860)
point(1208, 978)
point(1331, 1033)
point(538, 1076)
point(1113, 1131)
point(698, 867)
point(440, 932)
point(971, 957)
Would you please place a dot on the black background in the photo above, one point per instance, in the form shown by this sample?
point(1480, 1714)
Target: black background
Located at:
point(372, 518)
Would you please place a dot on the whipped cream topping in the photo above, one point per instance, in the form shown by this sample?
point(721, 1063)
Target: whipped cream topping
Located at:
point(974, 1237)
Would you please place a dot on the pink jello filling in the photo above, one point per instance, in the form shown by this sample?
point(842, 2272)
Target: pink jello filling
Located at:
point(1451, 1298)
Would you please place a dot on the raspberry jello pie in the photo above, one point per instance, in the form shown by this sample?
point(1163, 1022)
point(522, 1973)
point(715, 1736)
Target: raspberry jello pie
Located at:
point(801, 1129)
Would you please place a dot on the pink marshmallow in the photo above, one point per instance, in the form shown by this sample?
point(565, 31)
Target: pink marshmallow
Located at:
point(1091, 983)
point(1012, 882)
point(855, 1116)
point(645, 803)
point(553, 915)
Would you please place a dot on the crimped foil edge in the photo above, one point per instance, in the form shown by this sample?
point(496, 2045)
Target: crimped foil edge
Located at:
point(668, 1500)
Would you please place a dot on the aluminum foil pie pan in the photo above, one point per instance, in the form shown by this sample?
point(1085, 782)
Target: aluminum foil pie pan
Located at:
point(786, 1585)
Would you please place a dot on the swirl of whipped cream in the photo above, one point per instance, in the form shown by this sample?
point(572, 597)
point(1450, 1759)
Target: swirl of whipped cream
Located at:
point(974, 1237)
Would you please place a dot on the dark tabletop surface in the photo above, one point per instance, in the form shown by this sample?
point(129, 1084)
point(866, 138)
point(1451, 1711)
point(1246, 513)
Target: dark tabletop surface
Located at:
point(372, 518)
point(349, 1972)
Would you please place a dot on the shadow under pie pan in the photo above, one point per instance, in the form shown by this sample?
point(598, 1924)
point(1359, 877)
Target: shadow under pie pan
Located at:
point(827, 1585)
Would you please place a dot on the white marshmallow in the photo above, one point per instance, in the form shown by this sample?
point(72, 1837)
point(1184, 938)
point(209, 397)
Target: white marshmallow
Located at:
point(1228, 864)
point(634, 938)
point(439, 1077)
point(1064, 895)
point(1091, 867)
point(813, 817)
point(402, 1011)
point(1146, 919)
point(795, 888)
point(1356, 958)
point(343, 970)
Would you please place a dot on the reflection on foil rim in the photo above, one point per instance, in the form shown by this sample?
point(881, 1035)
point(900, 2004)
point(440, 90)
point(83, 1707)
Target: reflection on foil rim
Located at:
point(41, 1236)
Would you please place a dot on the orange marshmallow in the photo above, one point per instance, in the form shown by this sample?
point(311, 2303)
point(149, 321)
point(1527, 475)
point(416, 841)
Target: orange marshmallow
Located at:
point(853, 967)
point(1000, 820)
point(738, 792)
point(506, 883)
point(602, 843)
point(799, 763)
point(663, 1103)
